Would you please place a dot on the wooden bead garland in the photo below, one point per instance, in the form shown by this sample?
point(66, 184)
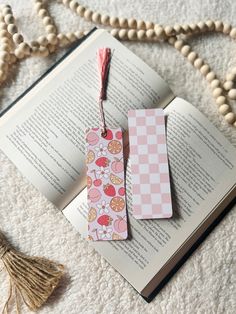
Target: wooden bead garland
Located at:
point(13, 47)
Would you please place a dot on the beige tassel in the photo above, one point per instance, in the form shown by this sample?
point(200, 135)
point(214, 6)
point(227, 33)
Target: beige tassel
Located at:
point(31, 278)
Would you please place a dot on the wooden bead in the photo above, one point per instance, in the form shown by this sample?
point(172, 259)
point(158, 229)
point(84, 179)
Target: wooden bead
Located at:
point(71, 37)
point(230, 117)
point(12, 29)
point(50, 29)
point(52, 39)
point(159, 30)
point(42, 40)
point(198, 63)
point(132, 34)
point(42, 13)
point(38, 6)
point(96, 17)
point(19, 53)
point(186, 28)
point(73, 5)
point(218, 26)
point(210, 25)
point(132, 23)
point(169, 30)
point(228, 85)
point(24, 47)
point(210, 76)
point(141, 34)
point(226, 28)
point(150, 33)
point(43, 51)
point(47, 20)
point(224, 109)
point(105, 19)
point(7, 11)
point(220, 100)
point(88, 14)
point(123, 22)
point(179, 44)
point(194, 28)
point(63, 41)
point(17, 38)
point(149, 25)
point(80, 10)
point(115, 32)
point(232, 94)
point(185, 50)
point(141, 25)
point(202, 26)
point(232, 33)
point(230, 77)
point(215, 83)
point(192, 56)
point(114, 22)
point(79, 34)
point(217, 92)
point(178, 29)
point(122, 34)
point(51, 48)
point(205, 69)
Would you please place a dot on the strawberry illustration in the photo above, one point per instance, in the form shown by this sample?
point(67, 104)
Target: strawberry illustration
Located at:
point(109, 190)
point(109, 135)
point(102, 162)
point(104, 220)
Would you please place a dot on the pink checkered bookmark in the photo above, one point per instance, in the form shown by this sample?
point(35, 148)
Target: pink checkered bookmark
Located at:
point(149, 164)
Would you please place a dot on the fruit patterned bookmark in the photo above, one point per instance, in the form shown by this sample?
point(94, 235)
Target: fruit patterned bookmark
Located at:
point(149, 164)
point(107, 219)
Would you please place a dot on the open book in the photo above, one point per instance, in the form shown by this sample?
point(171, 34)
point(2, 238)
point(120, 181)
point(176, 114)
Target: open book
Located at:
point(43, 135)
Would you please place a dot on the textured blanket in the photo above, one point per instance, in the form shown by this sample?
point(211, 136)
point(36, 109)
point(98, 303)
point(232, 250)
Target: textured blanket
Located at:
point(206, 282)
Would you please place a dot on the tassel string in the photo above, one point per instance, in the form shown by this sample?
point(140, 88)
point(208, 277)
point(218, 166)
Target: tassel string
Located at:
point(104, 61)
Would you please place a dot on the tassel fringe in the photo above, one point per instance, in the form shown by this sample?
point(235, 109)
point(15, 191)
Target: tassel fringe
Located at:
point(32, 279)
point(104, 59)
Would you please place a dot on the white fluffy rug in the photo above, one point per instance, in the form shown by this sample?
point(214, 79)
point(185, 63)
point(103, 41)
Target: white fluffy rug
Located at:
point(206, 282)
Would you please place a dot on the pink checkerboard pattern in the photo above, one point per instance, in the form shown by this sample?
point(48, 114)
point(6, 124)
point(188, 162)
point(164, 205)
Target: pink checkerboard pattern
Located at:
point(149, 164)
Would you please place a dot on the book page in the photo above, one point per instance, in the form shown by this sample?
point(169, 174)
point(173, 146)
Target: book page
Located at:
point(203, 169)
point(43, 134)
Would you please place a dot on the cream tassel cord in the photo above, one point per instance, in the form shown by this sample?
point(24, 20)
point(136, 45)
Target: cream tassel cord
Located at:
point(32, 279)
point(13, 47)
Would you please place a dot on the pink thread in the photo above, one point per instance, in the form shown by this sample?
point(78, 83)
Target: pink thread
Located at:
point(104, 59)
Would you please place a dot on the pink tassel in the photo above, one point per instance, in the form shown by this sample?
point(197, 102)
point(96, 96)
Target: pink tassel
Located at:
point(104, 58)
